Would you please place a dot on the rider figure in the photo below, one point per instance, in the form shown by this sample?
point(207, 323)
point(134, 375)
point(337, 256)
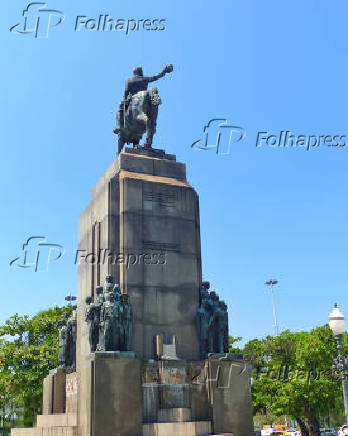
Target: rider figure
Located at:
point(135, 84)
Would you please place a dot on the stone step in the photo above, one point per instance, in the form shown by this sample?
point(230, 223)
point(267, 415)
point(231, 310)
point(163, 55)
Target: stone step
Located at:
point(57, 420)
point(193, 428)
point(44, 431)
point(178, 414)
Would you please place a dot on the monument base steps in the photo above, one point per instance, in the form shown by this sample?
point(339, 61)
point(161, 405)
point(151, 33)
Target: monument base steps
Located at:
point(179, 414)
point(58, 420)
point(45, 431)
point(198, 428)
point(61, 424)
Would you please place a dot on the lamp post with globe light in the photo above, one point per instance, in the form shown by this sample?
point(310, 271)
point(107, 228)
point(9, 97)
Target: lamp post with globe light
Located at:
point(336, 323)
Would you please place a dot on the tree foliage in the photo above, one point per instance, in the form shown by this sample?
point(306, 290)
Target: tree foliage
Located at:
point(293, 376)
point(28, 351)
point(232, 340)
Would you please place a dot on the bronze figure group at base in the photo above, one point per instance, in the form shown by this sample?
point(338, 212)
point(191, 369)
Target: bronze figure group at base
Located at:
point(67, 342)
point(109, 318)
point(212, 322)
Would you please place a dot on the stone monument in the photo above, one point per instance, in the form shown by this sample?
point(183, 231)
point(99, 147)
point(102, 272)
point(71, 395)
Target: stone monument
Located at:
point(150, 357)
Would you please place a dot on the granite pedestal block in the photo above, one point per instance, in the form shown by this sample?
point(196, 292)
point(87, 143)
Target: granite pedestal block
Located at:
point(230, 395)
point(71, 393)
point(54, 386)
point(113, 397)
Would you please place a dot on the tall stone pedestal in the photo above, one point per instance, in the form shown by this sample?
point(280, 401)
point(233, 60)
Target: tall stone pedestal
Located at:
point(142, 227)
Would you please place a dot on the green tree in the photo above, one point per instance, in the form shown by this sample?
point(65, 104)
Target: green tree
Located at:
point(28, 351)
point(231, 348)
point(293, 376)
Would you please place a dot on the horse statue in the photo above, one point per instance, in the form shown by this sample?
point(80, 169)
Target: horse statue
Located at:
point(138, 111)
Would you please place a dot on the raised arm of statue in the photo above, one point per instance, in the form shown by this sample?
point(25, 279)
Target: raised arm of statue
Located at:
point(167, 69)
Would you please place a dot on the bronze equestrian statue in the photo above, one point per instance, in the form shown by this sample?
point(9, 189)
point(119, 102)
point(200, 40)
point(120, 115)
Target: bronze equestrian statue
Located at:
point(138, 111)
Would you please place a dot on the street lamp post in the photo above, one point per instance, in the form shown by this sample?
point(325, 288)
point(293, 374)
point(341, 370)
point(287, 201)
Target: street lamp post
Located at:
point(272, 283)
point(336, 323)
point(70, 298)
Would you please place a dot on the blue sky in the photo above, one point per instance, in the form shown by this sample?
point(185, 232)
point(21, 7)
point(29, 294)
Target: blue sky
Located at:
point(265, 212)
